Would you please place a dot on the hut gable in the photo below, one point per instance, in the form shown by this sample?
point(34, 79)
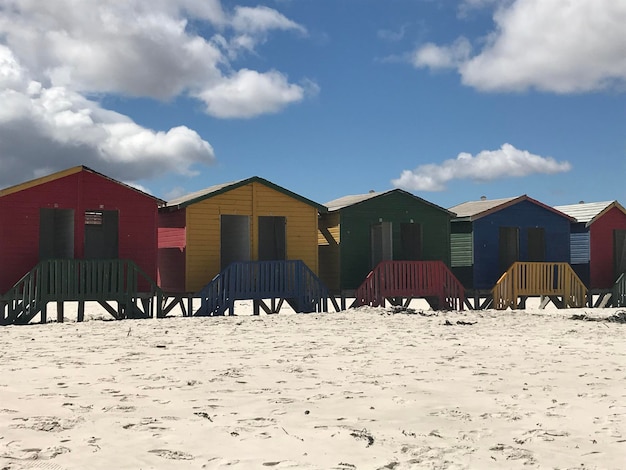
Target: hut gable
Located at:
point(352, 200)
point(216, 190)
point(474, 210)
point(589, 212)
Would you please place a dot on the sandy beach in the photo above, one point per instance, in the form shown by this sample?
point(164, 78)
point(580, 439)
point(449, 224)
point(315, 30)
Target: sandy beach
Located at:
point(361, 389)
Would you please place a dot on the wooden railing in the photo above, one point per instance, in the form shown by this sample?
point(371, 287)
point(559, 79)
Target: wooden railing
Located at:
point(290, 280)
point(411, 279)
point(539, 279)
point(61, 280)
point(619, 292)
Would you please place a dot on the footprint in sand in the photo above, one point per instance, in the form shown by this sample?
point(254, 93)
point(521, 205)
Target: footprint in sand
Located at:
point(172, 454)
point(47, 423)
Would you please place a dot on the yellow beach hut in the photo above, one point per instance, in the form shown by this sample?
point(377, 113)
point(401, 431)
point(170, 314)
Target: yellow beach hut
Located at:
point(202, 233)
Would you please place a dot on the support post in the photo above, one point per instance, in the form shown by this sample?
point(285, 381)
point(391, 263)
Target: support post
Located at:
point(60, 305)
point(81, 310)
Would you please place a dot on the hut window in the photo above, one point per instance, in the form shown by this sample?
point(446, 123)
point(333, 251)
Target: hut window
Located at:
point(461, 249)
point(93, 218)
point(580, 249)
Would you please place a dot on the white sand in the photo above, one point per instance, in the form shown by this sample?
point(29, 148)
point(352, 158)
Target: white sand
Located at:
point(360, 389)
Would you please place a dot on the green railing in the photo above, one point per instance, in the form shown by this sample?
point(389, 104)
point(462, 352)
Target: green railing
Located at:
point(619, 292)
point(102, 281)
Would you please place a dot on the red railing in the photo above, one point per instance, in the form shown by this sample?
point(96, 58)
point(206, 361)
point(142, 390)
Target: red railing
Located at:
point(411, 279)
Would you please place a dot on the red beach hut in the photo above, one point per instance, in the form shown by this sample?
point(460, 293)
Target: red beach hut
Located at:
point(75, 214)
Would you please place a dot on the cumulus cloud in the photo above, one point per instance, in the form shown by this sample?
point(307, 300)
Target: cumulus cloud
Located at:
point(43, 129)
point(57, 57)
point(248, 93)
point(260, 19)
point(561, 47)
point(506, 162)
point(439, 57)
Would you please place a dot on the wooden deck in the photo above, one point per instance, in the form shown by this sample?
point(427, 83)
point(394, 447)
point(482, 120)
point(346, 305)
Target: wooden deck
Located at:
point(398, 282)
point(553, 282)
point(62, 280)
point(275, 281)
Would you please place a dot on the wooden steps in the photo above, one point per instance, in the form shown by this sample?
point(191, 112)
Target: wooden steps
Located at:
point(62, 280)
point(277, 281)
point(398, 282)
point(552, 281)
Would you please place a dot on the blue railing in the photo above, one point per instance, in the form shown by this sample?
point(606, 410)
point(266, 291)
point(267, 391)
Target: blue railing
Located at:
point(290, 280)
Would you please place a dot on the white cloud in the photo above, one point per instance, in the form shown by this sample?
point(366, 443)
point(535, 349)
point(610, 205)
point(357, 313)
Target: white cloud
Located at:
point(506, 162)
point(260, 19)
point(249, 93)
point(56, 56)
point(555, 46)
point(43, 129)
point(438, 57)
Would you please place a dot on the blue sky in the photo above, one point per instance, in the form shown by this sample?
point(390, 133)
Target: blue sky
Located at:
point(450, 100)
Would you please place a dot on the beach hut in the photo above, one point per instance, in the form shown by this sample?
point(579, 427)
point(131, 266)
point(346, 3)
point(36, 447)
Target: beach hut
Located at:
point(75, 215)
point(598, 242)
point(251, 220)
point(489, 236)
point(360, 231)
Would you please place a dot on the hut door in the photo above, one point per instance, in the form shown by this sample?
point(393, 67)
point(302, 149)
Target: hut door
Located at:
point(411, 242)
point(272, 238)
point(619, 251)
point(101, 234)
point(56, 233)
point(234, 239)
point(536, 244)
point(381, 243)
point(508, 247)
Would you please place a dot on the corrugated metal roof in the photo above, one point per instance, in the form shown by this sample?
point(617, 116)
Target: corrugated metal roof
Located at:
point(203, 192)
point(472, 208)
point(351, 200)
point(346, 201)
point(584, 211)
point(224, 187)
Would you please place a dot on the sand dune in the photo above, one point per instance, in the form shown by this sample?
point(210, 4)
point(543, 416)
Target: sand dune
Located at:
point(361, 389)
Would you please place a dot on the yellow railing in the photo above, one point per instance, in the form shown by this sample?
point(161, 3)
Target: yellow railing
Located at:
point(533, 279)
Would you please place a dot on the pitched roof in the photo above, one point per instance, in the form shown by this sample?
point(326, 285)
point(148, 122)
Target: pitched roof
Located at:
point(67, 172)
point(346, 201)
point(589, 212)
point(217, 189)
point(474, 210)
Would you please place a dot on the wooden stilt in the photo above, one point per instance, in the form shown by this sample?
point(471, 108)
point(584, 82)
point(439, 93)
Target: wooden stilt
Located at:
point(81, 310)
point(60, 306)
